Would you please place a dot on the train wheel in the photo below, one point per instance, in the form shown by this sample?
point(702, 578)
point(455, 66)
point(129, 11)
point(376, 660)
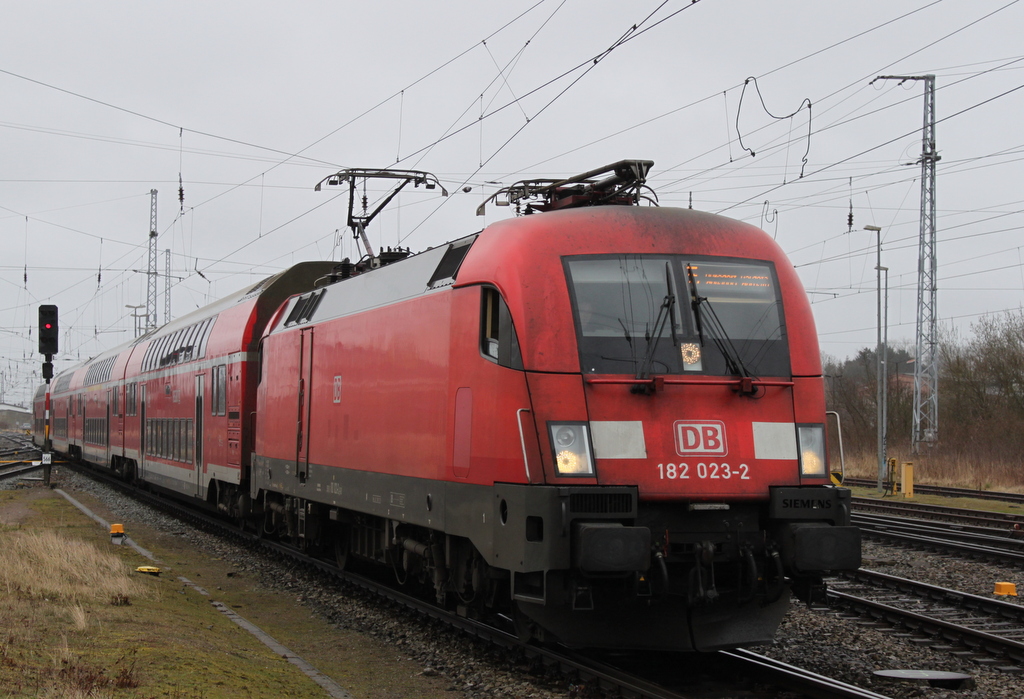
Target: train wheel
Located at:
point(243, 512)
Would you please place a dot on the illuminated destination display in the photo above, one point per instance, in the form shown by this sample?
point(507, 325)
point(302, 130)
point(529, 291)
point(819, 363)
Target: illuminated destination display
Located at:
point(733, 281)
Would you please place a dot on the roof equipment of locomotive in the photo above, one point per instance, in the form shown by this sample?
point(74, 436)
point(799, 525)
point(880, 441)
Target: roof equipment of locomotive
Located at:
point(621, 183)
point(359, 222)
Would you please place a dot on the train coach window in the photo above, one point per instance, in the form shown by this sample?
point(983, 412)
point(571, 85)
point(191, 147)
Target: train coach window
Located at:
point(62, 383)
point(219, 388)
point(130, 401)
point(179, 441)
point(498, 341)
point(183, 345)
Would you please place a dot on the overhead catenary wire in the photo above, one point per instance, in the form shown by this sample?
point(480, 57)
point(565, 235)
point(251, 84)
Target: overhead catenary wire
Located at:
point(780, 201)
point(631, 33)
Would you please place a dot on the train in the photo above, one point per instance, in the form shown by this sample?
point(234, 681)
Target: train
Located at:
point(601, 422)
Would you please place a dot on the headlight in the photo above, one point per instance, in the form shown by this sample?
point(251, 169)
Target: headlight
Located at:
point(570, 444)
point(811, 440)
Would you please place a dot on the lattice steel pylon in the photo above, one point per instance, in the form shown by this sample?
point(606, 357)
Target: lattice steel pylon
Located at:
point(926, 365)
point(151, 271)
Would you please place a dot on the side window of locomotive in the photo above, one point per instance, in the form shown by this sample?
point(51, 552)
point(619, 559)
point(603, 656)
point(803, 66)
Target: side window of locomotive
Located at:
point(498, 340)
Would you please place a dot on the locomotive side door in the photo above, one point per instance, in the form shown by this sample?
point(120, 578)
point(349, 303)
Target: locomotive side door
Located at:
point(305, 403)
point(197, 460)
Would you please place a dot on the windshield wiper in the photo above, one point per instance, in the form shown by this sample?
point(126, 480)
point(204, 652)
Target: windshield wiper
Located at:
point(695, 302)
point(700, 304)
point(664, 315)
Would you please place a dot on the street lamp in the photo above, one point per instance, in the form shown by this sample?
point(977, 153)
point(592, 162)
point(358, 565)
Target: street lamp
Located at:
point(880, 400)
point(136, 316)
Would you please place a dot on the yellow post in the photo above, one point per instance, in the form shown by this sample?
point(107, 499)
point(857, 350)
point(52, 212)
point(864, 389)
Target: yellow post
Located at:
point(907, 478)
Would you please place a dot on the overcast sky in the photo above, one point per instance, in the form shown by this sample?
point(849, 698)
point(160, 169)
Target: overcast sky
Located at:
point(253, 103)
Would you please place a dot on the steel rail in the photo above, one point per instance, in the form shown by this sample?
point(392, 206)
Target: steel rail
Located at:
point(974, 639)
point(810, 683)
point(965, 600)
point(945, 490)
point(17, 470)
point(998, 538)
point(981, 518)
point(915, 536)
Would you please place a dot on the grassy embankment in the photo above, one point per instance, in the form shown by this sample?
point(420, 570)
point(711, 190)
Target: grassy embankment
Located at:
point(957, 470)
point(76, 620)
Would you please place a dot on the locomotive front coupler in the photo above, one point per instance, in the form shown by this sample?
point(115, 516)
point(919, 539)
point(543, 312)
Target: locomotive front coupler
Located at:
point(701, 590)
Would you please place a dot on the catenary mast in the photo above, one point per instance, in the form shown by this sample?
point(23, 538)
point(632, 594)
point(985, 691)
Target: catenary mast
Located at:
point(926, 367)
point(151, 271)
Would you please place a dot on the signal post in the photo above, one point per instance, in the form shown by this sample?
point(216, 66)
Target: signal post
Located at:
point(48, 334)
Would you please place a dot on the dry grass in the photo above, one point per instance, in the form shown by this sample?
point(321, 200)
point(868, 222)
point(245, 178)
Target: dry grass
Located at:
point(945, 468)
point(53, 582)
point(76, 620)
point(79, 617)
point(42, 565)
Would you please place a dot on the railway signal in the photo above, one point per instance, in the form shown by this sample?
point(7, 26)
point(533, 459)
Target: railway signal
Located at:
point(48, 330)
point(48, 333)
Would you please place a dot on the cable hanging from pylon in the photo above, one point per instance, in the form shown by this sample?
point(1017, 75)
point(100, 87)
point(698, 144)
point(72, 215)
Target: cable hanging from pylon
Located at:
point(849, 216)
point(181, 186)
point(806, 101)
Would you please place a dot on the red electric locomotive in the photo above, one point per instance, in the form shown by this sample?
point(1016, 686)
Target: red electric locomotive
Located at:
point(602, 420)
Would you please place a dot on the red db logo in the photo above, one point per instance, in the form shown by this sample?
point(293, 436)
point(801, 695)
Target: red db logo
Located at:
point(700, 437)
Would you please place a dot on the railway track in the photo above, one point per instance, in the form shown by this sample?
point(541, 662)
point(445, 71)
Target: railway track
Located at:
point(17, 452)
point(626, 675)
point(13, 446)
point(964, 519)
point(980, 543)
point(946, 491)
point(990, 631)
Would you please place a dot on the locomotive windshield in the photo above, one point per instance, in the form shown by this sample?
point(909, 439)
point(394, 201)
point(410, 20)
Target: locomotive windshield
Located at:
point(660, 314)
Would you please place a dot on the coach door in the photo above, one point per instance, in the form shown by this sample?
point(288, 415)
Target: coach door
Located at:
point(197, 460)
point(305, 403)
point(109, 429)
point(143, 432)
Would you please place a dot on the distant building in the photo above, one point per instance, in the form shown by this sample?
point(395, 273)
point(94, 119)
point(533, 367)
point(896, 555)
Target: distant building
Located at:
point(14, 418)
